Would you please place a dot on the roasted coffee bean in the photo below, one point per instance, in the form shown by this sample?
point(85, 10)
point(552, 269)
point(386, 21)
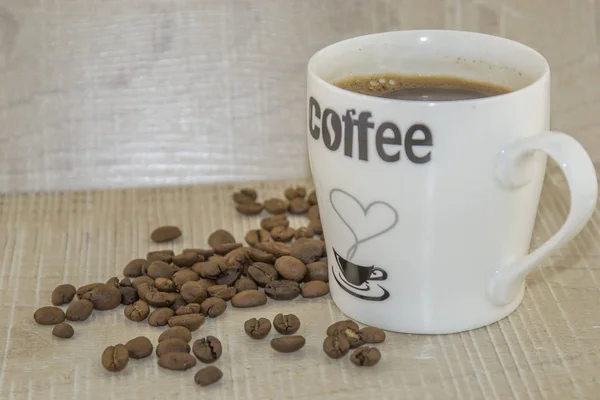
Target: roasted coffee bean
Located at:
point(140, 280)
point(213, 307)
point(187, 259)
point(165, 285)
point(304, 232)
point(179, 302)
point(115, 358)
point(182, 276)
point(172, 345)
point(316, 226)
point(221, 291)
point(160, 269)
point(144, 289)
point(190, 321)
point(308, 250)
point(354, 337)
point(298, 206)
point(206, 283)
point(177, 361)
point(193, 292)
point(255, 236)
point(134, 268)
point(79, 310)
point(114, 281)
point(205, 253)
point(275, 248)
point(293, 193)
point(237, 257)
point(160, 255)
point(128, 295)
point(208, 375)
point(312, 198)
point(104, 297)
point(290, 268)
point(229, 276)
point(286, 324)
point(365, 356)
point(257, 255)
point(246, 193)
point(249, 298)
point(209, 269)
point(282, 290)
point(63, 331)
point(336, 346)
point(240, 198)
point(160, 299)
point(281, 234)
point(249, 208)
point(317, 271)
point(139, 347)
point(137, 311)
point(208, 349)
point(176, 332)
point(288, 344)
point(257, 328)
point(192, 308)
point(370, 334)
point(63, 294)
point(165, 233)
point(87, 288)
point(227, 247)
point(339, 326)
point(268, 223)
point(313, 212)
point(276, 206)
point(262, 273)
point(220, 237)
point(160, 316)
point(314, 289)
point(244, 284)
point(125, 282)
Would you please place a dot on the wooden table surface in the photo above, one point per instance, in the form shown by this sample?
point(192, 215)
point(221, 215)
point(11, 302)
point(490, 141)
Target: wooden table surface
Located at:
point(548, 349)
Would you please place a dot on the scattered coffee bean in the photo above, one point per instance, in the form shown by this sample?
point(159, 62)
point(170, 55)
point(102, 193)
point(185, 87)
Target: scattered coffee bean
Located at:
point(133, 268)
point(370, 334)
point(115, 358)
point(249, 298)
point(245, 284)
point(227, 247)
point(205, 253)
point(262, 273)
point(257, 255)
point(257, 328)
point(192, 308)
point(282, 290)
point(160, 299)
point(298, 206)
point(206, 283)
point(339, 326)
point(128, 295)
point(187, 259)
point(63, 294)
point(176, 332)
point(290, 268)
point(213, 307)
point(354, 337)
point(286, 324)
point(308, 250)
point(240, 198)
point(312, 198)
point(172, 345)
point(165, 233)
point(190, 321)
point(165, 284)
point(281, 234)
point(139, 347)
point(209, 269)
point(277, 249)
point(114, 281)
point(229, 276)
point(160, 269)
point(160, 316)
point(316, 226)
point(79, 310)
point(221, 291)
point(63, 331)
point(304, 232)
point(182, 276)
point(317, 271)
point(255, 236)
point(160, 255)
point(193, 292)
point(365, 356)
point(87, 288)
point(137, 311)
point(314, 289)
point(336, 346)
point(249, 208)
point(177, 361)
point(140, 280)
point(313, 213)
point(276, 206)
point(208, 349)
point(243, 194)
point(208, 375)
point(49, 315)
point(144, 289)
point(219, 238)
point(293, 193)
point(288, 344)
point(125, 282)
point(268, 223)
point(179, 302)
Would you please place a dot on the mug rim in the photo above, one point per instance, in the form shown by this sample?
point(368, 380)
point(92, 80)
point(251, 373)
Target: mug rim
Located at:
point(540, 79)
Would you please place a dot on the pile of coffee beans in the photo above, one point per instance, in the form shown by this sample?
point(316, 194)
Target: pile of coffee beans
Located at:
point(184, 290)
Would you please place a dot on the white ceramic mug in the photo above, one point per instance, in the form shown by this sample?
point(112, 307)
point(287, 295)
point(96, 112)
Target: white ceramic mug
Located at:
point(428, 208)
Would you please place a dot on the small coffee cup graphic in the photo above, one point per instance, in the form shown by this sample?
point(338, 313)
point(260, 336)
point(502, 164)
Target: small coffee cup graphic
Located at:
point(357, 274)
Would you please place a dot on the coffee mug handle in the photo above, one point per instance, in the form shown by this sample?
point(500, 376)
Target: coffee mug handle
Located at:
point(512, 173)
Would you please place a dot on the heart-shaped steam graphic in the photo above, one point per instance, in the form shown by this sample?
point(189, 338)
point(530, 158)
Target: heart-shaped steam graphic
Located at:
point(365, 222)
